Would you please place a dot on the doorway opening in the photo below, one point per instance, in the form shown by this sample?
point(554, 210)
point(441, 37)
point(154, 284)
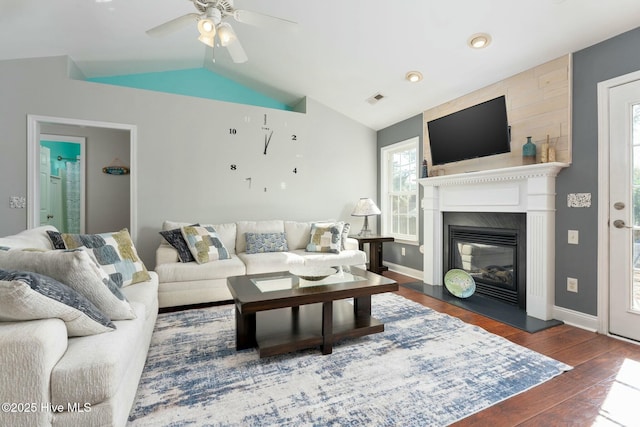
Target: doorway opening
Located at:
point(37, 126)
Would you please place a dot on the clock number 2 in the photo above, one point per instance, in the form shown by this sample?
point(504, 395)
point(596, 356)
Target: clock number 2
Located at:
point(294, 137)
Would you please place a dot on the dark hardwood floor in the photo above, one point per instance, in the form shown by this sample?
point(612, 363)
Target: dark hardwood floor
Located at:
point(602, 388)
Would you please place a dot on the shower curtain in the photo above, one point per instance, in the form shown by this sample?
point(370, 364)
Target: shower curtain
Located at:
point(72, 200)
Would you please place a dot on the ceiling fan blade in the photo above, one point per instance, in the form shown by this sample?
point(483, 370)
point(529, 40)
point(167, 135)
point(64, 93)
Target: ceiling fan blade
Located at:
point(262, 20)
point(173, 25)
point(236, 51)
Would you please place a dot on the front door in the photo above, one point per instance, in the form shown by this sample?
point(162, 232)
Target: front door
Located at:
point(624, 210)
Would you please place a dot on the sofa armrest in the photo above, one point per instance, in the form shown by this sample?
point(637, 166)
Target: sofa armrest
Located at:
point(166, 254)
point(351, 244)
point(28, 352)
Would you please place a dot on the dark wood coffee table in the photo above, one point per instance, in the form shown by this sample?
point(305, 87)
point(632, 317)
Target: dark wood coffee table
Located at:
point(280, 313)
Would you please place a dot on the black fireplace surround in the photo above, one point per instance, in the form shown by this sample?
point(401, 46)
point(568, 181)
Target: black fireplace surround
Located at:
point(491, 246)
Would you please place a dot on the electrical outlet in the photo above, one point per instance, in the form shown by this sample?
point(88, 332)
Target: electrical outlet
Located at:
point(572, 284)
point(402, 251)
point(573, 237)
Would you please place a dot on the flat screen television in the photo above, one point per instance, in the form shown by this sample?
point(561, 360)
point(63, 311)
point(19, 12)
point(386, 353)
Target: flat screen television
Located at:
point(478, 131)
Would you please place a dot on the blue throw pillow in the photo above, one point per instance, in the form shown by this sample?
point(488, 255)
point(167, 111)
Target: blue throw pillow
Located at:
point(28, 296)
point(174, 238)
point(266, 242)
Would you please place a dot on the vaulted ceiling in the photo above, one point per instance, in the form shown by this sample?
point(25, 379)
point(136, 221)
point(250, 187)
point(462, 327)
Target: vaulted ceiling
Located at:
point(341, 53)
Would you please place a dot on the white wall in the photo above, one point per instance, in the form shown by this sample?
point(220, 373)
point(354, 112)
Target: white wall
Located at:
point(185, 151)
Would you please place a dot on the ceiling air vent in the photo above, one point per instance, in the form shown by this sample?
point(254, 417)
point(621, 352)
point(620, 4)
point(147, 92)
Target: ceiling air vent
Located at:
point(375, 98)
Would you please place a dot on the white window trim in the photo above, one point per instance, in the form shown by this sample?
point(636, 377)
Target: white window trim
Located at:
point(384, 187)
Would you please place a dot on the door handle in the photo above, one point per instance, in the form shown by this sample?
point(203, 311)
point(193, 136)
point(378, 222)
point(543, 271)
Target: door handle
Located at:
point(618, 223)
point(49, 216)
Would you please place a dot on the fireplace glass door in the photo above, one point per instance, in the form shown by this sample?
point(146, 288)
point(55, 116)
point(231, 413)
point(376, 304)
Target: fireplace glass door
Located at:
point(490, 256)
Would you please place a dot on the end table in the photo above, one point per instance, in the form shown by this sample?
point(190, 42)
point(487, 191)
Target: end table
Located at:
point(375, 251)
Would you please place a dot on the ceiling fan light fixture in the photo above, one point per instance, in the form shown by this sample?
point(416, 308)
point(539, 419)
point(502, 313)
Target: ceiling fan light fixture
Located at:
point(414, 76)
point(479, 40)
point(226, 34)
point(209, 41)
point(207, 27)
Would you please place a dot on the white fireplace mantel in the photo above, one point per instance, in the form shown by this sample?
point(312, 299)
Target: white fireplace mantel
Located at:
point(530, 189)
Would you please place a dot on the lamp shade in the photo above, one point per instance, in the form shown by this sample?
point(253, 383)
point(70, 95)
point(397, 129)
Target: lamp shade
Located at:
point(365, 207)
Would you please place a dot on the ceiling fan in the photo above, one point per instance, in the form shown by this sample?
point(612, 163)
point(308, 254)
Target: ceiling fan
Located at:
point(211, 20)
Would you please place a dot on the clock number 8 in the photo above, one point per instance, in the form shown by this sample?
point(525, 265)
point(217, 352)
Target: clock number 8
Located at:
point(295, 170)
point(234, 167)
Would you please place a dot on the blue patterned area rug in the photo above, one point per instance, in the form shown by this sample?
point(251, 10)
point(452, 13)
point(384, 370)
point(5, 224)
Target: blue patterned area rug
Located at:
point(425, 369)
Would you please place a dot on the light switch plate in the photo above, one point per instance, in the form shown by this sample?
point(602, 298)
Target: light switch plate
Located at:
point(573, 237)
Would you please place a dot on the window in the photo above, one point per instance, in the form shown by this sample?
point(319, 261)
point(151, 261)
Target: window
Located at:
point(399, 182)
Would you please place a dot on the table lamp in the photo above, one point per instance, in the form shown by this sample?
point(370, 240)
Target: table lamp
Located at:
point(365, 207)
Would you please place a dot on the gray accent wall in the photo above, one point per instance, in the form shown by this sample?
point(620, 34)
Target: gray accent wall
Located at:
point(398, 132)
point(185, 150)
point(612, 58)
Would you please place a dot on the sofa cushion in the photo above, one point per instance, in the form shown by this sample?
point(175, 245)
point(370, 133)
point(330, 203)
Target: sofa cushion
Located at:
point(30, 296)
point(243, 227)
point(204, 243)
point(297, 233)
point(141, 293)
point(77, 270)
point(326, 237)
point(270, 261)
point(181, 272)
point(324, 259)
point(94, 367)
point(175, 238)
point(114, 251)
point(266, 242)
point(33, 238)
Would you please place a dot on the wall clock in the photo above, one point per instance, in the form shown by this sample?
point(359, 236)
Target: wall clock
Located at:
point(267, 151)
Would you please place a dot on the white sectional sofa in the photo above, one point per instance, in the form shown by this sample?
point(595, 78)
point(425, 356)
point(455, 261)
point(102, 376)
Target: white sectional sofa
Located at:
point(50, 379)
point(184, 283)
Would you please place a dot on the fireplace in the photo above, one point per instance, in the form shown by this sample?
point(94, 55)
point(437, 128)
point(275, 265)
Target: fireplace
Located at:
point(491, 247)
point(529, 190)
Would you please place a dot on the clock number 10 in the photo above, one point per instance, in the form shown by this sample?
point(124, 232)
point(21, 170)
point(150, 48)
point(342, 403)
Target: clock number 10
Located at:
point(233, 131)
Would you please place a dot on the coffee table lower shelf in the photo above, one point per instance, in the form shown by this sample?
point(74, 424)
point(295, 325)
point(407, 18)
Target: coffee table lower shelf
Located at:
point(286, 330)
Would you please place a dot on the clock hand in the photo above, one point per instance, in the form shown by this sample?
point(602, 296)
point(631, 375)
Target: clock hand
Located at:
point(266, 142)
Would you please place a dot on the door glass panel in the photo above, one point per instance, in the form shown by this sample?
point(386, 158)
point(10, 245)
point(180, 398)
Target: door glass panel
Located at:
point(635, 139)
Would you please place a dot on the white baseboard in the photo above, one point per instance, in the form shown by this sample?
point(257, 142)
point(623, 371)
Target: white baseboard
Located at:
point(416, 274)
point(575, 318)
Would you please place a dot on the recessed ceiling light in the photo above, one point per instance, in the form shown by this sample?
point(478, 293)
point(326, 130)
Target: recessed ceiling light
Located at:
point(479, 40)
point(414, 76)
